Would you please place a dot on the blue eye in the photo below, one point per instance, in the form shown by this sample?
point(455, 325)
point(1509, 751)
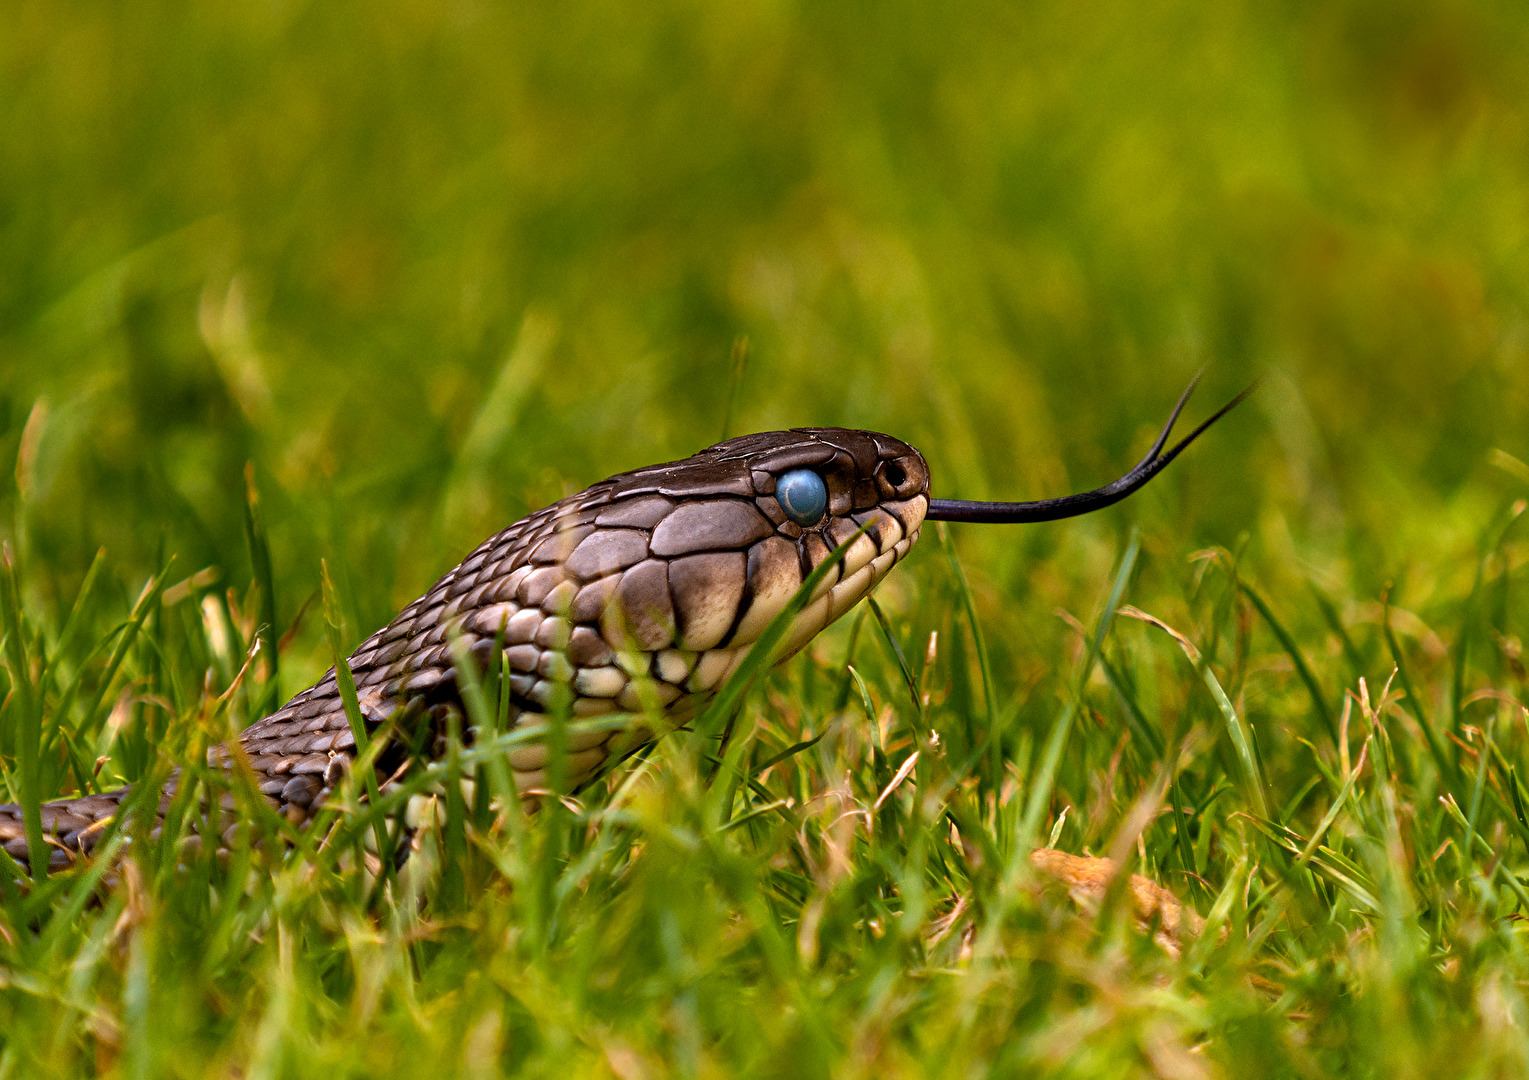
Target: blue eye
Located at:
point(802, 495)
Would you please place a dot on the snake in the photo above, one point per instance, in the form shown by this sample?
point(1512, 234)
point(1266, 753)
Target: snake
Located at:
point(635, 597)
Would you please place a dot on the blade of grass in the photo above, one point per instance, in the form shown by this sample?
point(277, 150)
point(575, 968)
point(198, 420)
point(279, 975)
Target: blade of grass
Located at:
point(1447, 771)
point(453, 887)
point(1492, 540)
point(1045, 777)
point(1333, 811)
point(1334, 622)
point(1482, 765)
point(1242, 745)
point(492, 721)
point(789, 752)
point(72, 625)
point(127, 634)
point(984, 667)
point(1329, 863)
point(260, 569)
point(756, 813)
point(1318, 701)
point(717, 807)
point(1475, 839)
point(352, 704)
point(740, 363)
point(1136, 720)
point(846, 684)
point(26, 716)
point(487, 721)
point(898, 656)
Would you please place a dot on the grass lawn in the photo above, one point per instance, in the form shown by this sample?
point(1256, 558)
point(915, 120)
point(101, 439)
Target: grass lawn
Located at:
point(288, 286)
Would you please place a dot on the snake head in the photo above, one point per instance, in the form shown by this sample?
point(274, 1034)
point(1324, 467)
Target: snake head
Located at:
point(739, 526)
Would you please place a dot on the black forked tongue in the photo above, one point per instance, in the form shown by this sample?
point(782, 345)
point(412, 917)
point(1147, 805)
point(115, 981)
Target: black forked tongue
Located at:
point(1087, 501)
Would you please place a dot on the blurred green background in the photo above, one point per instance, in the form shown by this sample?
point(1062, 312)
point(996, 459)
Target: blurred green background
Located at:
point(430, 265)
point(426, 266)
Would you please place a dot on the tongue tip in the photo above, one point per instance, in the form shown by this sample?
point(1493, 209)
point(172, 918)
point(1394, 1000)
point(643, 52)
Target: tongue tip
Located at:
point(1085, 502)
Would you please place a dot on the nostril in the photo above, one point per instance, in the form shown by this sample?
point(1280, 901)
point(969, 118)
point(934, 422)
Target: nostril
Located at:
point(894, 474)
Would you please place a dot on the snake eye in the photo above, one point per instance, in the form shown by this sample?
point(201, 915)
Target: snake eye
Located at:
point(802, 495)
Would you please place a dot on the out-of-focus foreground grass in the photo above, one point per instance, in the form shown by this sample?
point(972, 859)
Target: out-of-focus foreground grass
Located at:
point(428, 266)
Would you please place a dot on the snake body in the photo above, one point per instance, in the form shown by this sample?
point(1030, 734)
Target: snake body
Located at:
point(646, 589)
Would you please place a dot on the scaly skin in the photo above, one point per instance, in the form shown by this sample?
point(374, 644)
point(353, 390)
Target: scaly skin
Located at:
point(669, 573)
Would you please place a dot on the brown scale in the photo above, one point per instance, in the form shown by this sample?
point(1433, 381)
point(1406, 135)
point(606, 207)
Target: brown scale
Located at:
point(645, 589)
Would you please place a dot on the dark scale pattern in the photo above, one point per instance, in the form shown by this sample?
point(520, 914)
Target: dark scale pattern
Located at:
point(643, 591)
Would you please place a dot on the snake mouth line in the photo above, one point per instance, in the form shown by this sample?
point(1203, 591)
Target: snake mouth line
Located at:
point(1086, 502)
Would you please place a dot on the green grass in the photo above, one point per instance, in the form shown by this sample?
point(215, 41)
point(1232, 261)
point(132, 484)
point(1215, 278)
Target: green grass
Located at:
point(423, 268)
